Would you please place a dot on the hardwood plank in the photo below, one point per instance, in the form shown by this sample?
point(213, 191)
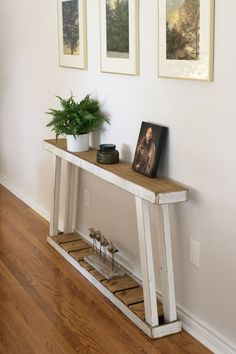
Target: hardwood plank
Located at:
point(2, 349)
point(138, 309)
point(181, 343)
point(62, 298)
point(36, 332)
point(66, 238)
point(130, 296)
point(119, 284)
point(74, 245)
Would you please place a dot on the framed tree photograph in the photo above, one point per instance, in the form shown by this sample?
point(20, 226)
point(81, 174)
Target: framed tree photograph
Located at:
point(186, 39)
point(72, 33)
point(119, 36)
point(148, 150)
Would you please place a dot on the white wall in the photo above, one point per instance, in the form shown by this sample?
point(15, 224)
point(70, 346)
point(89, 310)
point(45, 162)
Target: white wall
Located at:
point(200, 151)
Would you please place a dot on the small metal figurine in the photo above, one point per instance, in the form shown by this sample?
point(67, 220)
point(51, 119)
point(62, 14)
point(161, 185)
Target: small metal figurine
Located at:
point(99, 260)
point(98, 236)
point(104, 244)
point(92, 235)
point(112, 249)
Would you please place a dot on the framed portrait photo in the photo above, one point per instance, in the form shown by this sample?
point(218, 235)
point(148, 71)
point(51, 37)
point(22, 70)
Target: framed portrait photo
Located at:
point(148, 150)
point(186, 30)
point(72, 33)
point(119, 36)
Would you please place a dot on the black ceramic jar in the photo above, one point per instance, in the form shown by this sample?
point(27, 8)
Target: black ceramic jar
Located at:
point(107, 154)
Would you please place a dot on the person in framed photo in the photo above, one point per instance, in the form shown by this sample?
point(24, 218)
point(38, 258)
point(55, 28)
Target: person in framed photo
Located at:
point(145, 153)
point(148, 149)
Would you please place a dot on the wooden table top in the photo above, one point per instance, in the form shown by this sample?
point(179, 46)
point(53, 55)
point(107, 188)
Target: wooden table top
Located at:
point(156, 190)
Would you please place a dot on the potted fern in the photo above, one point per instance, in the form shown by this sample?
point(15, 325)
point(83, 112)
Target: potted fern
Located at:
point(76, 120)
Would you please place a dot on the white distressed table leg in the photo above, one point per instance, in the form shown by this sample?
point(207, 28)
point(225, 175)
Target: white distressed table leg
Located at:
point(54, 214)
point(76, 197)
point(167, 274)
point(146, 257)
point(69, 204)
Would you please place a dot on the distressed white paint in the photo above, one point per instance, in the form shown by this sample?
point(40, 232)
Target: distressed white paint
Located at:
point(173, 197)
point(147, 261)
point(167, 275)
point(76, 198)
point(55, 196)
point(70, 195)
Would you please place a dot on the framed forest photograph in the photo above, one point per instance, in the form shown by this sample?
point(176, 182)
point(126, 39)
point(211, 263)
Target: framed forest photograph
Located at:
point(186, 39)
point(148, 150)
point(119, 36)
point(72, 33)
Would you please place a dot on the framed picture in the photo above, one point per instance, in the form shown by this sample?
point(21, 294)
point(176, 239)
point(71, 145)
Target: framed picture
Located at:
point(186, 39)
point(119, 36)
point(148, 149)
point(72, 33)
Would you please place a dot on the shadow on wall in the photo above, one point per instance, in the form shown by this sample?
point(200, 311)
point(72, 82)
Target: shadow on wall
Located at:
point(125, 153)
point(163, 168)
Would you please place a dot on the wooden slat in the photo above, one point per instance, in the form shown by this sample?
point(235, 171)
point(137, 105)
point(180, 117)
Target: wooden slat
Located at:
point(66, 238)
point(130, 296)
point(97, 275)
point(85, 265)
point(79, 255)
point(119, 284)
point(138, 309)
point(75, 245)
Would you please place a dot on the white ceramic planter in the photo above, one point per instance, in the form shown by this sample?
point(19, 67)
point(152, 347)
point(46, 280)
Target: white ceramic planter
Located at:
point(79, 143)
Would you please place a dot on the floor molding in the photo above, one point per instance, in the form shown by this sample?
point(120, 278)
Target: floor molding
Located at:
point(204, 333)
point(197, 328)
point(24, 197)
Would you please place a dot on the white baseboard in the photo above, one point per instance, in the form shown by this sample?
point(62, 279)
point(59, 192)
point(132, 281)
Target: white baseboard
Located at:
point(204, 333)
point(198, 329)
point(45, 213)
point(24, 197)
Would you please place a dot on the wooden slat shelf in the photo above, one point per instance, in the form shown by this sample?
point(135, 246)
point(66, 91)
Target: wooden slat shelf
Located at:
point(126, 289)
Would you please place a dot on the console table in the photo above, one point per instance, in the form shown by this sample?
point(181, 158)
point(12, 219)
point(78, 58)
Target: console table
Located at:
point(137, 301)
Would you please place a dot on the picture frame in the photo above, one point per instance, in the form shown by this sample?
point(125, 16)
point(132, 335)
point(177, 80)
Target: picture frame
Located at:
point(148, 150)
point(119, 36)
point(186, 39)
point(72, 33)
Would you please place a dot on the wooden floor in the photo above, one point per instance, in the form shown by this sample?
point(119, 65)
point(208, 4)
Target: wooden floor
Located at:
point(46, 306)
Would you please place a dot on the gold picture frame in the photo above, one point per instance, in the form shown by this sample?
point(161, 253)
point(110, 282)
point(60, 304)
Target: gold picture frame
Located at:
point(186, 39)
point(72, 34)
point(119, 36)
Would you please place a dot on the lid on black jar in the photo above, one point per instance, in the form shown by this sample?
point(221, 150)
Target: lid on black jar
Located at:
point(107, 147)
